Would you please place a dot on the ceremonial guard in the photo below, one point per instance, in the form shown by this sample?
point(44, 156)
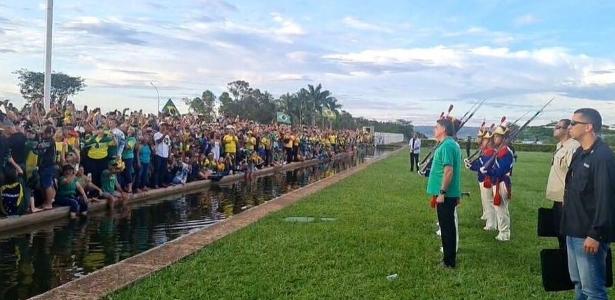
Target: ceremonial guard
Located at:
point(498, 168)
point(484, 182)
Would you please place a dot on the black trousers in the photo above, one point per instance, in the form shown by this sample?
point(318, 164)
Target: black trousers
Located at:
point(414, 161)
point(557, 220)
point(446, 218)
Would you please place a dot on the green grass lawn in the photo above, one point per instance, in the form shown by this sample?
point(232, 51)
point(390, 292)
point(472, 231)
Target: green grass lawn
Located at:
point(383, 225)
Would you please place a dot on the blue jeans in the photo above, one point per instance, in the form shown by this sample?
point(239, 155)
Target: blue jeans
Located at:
point(142, 177)
point(160, 170)
point(76, 204)
point(587, 271)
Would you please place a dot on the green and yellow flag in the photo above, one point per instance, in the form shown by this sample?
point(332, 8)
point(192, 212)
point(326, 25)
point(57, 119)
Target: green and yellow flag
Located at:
point(170, 108)
point(283, 118)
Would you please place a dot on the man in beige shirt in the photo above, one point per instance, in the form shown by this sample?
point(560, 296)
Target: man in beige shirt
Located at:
point(562, 157)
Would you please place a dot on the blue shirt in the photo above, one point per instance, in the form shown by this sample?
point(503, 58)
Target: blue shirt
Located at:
point(145, 154)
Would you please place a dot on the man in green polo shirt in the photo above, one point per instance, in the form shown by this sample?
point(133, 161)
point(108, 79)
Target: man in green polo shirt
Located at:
point(444, 186)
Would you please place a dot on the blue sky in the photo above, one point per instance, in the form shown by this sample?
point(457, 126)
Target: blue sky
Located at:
point(381, 59)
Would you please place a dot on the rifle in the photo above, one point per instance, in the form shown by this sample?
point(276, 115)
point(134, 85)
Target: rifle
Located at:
point(479, 149)
point(511, 137)
point(450, 108)
point(425, 164)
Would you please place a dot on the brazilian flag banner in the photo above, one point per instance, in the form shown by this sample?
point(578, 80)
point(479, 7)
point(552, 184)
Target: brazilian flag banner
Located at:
point(170, 108)
point(283, 118)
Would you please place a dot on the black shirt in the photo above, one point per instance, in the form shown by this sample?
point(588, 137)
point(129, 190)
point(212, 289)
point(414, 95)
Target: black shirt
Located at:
point(46, 151)
point(4, 151)
point(17, 143)
point(589, 197)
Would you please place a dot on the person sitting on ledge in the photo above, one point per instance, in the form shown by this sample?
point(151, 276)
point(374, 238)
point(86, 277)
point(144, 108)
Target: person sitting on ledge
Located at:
point(68, 186)
point(12, 192)
point(112, 191)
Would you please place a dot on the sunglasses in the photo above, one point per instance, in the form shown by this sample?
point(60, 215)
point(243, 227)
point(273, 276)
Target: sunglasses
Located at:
point(560, 127)
point(574, 123)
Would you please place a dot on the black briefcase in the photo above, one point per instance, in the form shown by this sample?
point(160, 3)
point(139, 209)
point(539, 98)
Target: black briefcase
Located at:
point(546, 225)
point(554, 266)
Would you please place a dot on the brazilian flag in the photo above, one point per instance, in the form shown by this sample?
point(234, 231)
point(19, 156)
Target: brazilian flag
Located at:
point(283, 118)
point(170, 108)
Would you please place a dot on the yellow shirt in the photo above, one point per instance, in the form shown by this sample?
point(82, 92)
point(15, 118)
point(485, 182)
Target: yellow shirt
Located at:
point(326, 142)
point(73, 142)
point(100, 149)
point(266, 143)
point(61, 150)
point(290, 142)
point(31, 163)
point(296, 141)
point(250, 143)
point(230, 143)
point(333, 139)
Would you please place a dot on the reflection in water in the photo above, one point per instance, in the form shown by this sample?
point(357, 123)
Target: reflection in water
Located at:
point(34, 262)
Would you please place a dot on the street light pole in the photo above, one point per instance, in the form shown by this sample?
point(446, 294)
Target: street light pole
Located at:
point(157, 93)
point(48, 40)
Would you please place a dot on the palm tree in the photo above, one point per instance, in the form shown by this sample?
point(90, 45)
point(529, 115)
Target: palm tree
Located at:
point(318, 97)
point(332, 104)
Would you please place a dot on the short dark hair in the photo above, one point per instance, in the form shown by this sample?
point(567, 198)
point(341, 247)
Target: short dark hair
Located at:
point(49, 130)
point(565, 121)
point(591, 116)
point(67, 168)
point(448, 125)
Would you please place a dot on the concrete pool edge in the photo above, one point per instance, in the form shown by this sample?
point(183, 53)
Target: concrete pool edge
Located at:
point(122, 274)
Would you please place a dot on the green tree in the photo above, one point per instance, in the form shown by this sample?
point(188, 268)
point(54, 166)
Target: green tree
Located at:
point(247, 102)
point(203, 105)
point(318, 99)
point(31, 85)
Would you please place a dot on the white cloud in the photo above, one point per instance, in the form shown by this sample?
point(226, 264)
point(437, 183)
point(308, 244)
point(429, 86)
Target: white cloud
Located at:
point(292, 77)
point(288, 26)
point(377, 76)
point(356, 23)
point(427, 57)
point(298, 56)
point(526, 20)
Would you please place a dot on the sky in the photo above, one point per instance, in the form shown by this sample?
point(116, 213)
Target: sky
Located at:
point(382, 60)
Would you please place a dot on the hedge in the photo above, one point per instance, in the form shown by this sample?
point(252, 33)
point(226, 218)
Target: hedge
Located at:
point(518, 147)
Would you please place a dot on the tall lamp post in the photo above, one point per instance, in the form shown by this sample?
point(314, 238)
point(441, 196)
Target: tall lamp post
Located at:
point(157, 93)
point(47, 83)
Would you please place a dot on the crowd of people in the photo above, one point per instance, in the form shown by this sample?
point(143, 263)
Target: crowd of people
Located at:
point(70, 157)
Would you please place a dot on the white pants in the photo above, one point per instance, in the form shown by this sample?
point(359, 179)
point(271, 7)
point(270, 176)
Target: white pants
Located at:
point(502, 214)
point(489, 215)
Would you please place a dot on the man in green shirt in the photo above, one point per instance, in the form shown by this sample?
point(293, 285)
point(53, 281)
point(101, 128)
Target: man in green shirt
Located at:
point(112, 191)
point(444, 186)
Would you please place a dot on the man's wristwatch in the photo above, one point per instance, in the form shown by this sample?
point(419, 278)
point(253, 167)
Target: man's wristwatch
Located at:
point(443, 192)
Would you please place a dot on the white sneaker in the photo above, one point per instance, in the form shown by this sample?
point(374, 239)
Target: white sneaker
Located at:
point(439, 232)
point(502, 239)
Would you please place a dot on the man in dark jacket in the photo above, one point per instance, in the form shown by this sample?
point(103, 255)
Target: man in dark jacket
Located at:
point(589, 206)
